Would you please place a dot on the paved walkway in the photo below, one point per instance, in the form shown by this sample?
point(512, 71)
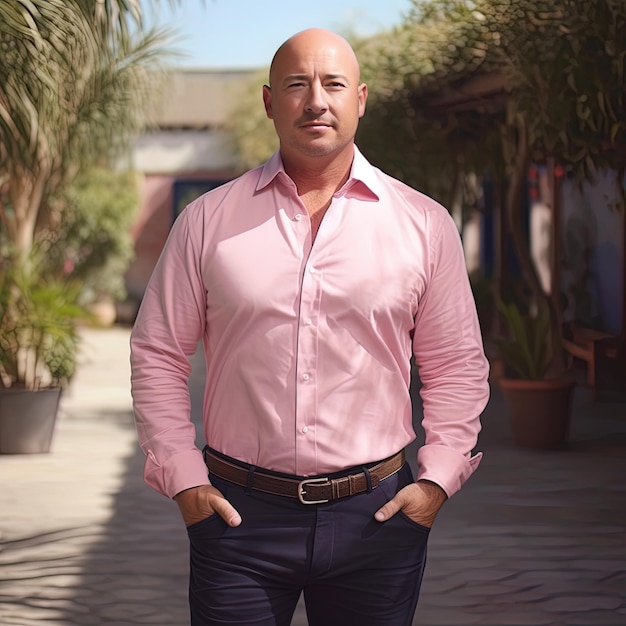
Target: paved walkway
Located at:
point(534, 539)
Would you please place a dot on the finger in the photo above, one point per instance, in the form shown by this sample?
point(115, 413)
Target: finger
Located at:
point(226, 511)
point(389, 510)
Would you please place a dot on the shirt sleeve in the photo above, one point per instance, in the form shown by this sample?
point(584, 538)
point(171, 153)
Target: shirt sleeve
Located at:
point(166, 332)
point(453, 369)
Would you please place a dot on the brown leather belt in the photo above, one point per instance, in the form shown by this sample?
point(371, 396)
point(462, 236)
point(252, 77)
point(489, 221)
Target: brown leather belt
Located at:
point(308, 490)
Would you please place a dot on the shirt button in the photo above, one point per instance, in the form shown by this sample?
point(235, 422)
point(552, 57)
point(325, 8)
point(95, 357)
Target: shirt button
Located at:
point(305, 429)
point(298, 217)
point(305, 377)
point(308, 321)
point(312, 270)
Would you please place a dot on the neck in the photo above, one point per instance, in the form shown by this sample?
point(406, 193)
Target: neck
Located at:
point(319, 173)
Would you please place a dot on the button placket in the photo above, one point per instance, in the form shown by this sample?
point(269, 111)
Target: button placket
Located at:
point(306, 387)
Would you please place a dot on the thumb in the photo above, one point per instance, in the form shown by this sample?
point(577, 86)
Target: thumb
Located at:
point(389, 510)
point(226, 511)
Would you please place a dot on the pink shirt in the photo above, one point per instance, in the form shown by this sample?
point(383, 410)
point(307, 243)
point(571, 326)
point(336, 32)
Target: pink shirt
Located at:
point(308, 346)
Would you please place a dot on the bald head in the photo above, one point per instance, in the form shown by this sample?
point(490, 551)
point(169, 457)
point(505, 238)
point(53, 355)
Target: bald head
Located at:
point(315, 98)
point(313, 42)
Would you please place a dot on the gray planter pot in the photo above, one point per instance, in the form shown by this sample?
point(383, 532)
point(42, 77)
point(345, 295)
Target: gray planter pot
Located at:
point(27, 420)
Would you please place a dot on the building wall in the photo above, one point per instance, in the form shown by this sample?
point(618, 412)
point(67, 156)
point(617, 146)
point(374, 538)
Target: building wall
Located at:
point(150, 231)
point(177, 167)
point(189, 151)
point(179, 151)
point(593, 280)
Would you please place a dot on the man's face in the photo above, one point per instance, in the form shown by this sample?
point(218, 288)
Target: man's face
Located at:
point(315, 99)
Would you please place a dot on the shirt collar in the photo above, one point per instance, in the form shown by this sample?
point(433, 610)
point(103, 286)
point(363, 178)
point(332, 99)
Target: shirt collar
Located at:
point(363, 180)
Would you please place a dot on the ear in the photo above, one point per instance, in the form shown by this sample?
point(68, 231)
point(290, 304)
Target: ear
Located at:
point(267, 100)
point(362, 98)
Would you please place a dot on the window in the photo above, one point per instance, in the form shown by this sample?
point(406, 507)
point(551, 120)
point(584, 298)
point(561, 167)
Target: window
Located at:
point(185, 191)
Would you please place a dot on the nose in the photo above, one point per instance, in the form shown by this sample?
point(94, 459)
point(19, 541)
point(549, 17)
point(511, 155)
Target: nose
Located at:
point(316, 101)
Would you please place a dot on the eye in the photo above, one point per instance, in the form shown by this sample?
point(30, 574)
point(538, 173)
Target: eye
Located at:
point(335, 84)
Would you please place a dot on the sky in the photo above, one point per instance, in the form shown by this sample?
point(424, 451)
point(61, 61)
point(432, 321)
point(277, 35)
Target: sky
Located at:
point(245, 33)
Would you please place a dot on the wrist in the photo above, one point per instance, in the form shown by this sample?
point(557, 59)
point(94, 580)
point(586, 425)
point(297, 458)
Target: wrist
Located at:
point(433, 490)
point(188, 494)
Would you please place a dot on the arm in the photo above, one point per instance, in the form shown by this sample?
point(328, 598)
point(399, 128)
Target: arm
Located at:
point(169, 324)
point(448, 350)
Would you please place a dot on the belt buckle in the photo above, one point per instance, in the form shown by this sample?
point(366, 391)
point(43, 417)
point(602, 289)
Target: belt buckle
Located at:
point(308, 481)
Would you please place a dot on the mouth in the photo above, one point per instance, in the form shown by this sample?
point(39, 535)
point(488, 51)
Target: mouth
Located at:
point(316, 125)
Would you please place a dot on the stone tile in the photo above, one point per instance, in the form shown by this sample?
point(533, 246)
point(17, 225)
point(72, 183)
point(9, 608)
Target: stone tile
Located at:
point(570, 603)
point(126, 611)
point(597, 618)
point(26, 612)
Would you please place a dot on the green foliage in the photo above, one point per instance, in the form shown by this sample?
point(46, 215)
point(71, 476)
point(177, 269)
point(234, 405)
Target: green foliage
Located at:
point(255, 138)
point(92, 243)
point(38, 318)
point(77, 83)
point(409, 130)
point(462, 81)
point(528, 348)
point(564, 65)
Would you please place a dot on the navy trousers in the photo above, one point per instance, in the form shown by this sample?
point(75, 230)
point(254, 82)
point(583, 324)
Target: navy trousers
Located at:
point(351, 568)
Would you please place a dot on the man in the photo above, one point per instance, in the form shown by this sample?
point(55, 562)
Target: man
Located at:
point(311, 281)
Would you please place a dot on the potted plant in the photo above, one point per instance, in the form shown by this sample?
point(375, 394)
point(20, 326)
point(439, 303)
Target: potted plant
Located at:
point(38, 352)
point(538, 398)
point(77, 81)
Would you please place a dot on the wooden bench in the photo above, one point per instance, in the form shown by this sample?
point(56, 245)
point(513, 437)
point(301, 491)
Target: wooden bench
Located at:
point(591, 346)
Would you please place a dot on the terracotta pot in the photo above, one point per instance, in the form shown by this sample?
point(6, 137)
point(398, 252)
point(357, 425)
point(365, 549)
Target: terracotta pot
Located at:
point(27, 419)
point(539, 411)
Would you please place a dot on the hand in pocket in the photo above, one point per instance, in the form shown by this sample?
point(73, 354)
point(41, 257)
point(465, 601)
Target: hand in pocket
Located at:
point(199, 503)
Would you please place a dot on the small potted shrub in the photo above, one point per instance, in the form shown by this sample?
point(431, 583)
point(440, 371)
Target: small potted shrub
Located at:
point(38, 352)
point(537, 394)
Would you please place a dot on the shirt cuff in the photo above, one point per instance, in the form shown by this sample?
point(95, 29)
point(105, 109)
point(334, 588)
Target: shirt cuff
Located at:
point(445, 467)
point(181, 471)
